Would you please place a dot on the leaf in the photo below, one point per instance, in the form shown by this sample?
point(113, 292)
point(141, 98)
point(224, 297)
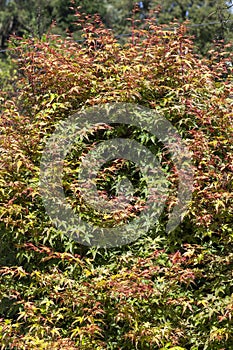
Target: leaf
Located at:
point(18, 165)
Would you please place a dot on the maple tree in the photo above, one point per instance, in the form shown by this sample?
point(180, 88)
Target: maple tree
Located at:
point(164, 291)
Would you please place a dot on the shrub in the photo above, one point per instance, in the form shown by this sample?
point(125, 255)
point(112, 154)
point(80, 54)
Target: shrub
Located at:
point(163, 291)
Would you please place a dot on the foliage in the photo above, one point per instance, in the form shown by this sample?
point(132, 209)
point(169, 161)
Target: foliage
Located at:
point(119, 12)
point(33, 18)
point(208, 20)
point(153, 301)
point(163, 291)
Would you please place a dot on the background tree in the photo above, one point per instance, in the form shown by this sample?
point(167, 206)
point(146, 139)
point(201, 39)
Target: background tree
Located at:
point(34, 18)
point(208, 20)
point(118, 13)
